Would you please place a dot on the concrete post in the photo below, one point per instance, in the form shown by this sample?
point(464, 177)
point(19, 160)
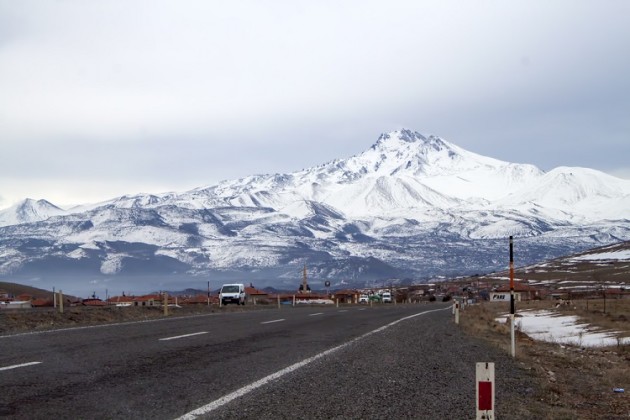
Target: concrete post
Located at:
point(60, 301)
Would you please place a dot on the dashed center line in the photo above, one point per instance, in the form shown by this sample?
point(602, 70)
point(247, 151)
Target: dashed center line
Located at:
point(271, 322)
point(204, 410)
point(182, 336)
point(318, 313)
point(20, 365)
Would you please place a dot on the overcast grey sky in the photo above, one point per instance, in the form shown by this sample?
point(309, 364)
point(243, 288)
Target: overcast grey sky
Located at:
point(105, 98)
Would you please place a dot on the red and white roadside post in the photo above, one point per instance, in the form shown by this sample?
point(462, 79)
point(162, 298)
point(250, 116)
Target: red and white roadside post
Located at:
point(485, 391)
point(456, 312)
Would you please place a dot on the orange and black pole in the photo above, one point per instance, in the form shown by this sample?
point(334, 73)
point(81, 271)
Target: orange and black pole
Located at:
point(511, 276)
point(512, 303)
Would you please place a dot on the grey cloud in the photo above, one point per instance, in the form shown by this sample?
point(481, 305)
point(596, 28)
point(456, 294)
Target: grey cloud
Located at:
point(197, 92)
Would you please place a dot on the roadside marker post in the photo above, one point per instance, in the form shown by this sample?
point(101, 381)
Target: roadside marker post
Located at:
point(60, 306)
point(485, 391)
point(457, 313)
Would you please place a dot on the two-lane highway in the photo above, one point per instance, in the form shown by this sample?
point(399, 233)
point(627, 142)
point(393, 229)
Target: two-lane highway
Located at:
point(166, 368)
point(307, 362)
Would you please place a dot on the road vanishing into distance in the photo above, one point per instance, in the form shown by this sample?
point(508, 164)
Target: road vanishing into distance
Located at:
point(386, 361)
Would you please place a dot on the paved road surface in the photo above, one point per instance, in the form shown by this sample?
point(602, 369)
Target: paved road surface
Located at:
point(387, 361)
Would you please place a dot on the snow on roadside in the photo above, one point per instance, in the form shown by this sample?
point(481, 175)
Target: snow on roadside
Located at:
point(563, 329)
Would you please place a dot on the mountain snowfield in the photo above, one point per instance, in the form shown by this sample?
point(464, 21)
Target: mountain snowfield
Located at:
point(411, 206)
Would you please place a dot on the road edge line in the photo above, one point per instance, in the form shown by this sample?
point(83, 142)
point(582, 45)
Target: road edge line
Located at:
point(269, 378)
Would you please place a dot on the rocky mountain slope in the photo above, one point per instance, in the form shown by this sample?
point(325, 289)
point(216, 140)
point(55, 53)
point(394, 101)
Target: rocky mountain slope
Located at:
point(410, 207)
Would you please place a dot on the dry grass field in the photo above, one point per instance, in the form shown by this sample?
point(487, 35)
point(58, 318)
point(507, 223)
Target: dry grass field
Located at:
point(576, 382)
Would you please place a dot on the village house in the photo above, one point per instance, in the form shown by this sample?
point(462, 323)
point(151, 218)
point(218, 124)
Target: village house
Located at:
point(255, 296)
point(346, 296)
point(522, 292)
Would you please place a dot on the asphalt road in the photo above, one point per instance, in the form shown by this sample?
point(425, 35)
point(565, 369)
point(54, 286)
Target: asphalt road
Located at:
point(387, 361)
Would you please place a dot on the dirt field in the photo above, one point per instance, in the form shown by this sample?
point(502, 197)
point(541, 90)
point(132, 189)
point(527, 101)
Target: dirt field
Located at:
point(16, 321)
point(578, 382)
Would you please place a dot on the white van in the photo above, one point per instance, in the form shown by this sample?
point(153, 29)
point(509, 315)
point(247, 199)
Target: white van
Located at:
point(233, 293)
point(387, 297)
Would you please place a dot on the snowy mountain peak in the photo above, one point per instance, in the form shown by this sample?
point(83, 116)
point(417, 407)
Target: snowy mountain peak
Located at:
point(407, 138)
point(410, 152)
point(28, 211)
point(403, 135)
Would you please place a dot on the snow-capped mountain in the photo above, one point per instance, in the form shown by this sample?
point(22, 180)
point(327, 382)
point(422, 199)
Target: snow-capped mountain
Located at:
point(410, 206)
point(28, 211)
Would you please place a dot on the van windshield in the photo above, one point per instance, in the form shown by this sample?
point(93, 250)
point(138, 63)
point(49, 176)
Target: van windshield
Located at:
point(229, 289)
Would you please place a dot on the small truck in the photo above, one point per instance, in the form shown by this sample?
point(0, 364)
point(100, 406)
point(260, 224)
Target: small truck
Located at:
point(233, 293)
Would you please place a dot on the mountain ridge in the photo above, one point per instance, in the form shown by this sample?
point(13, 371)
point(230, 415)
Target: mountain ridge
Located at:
point(411, 206)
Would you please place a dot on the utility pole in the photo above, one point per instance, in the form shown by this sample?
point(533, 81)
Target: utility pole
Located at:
point(512, 303)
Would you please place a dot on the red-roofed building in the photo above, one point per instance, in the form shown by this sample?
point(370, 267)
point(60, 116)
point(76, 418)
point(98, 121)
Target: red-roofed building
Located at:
point(41, 303)
point(522, 291)
point(93, 302)
point(24, 297)
point(254, 295)
point(148, 300)
point(120, 300)
point(347, 296)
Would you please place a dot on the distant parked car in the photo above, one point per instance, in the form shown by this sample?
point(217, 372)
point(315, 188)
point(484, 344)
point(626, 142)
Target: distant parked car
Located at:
point(364, 299)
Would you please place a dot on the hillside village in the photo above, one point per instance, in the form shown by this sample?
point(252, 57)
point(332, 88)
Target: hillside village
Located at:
point(470, 289)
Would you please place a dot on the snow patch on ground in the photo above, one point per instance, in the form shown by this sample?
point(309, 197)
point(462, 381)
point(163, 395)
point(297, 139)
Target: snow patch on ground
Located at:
point(564, 329)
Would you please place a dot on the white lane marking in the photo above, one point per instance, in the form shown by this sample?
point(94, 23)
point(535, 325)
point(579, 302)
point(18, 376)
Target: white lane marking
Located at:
point(20, 365)
point(318, 313)
point(182, 336)
point(261, 382)
point(271, 322)
point(342, 310)
point(362, 309)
